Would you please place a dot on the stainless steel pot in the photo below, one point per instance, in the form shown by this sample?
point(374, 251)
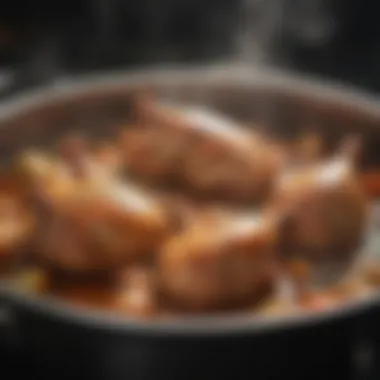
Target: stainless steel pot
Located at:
point(76, 342)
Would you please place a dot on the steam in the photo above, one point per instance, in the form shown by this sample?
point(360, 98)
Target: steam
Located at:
point(266, 27)
point(311, 22)
point(258, 31)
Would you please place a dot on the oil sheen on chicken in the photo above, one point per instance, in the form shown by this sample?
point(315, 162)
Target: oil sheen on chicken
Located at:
point(201, 150)
point(218, 262)
point(325, 208)
point(94, 222)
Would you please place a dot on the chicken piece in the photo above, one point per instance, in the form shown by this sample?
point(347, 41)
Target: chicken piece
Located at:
point(31, 280)
point(109, 156)
point(219, 261)
point(137, 292)
point(46, 170)
point(326, 211)
point(151, 156)
point(201, 150)
point(16, 228)
point(371, 273)
point(307, 149)
point(320, 302)
point(98, 223)
point(350, 288)
point(228, 160)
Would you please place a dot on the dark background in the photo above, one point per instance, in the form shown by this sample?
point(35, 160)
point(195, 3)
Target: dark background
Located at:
point(40, 40)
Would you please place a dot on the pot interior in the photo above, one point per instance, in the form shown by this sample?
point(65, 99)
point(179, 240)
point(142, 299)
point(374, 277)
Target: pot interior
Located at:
point(284, 109)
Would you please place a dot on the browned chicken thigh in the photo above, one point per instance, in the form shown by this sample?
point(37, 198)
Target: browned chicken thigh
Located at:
point(325, 209)
point(200, 150)
point(90, 221)
point(219, 261)
point(16, 228)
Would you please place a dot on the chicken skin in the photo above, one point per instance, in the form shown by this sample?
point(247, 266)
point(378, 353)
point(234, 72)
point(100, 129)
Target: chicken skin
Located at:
point(93, 221)
point(218, 261)
point(202, 151)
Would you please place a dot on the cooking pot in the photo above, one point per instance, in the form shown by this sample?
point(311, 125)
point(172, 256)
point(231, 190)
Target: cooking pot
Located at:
point(62, 340)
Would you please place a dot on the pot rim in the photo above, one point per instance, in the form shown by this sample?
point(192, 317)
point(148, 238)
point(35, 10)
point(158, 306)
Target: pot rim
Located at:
point(239, 323)
point(242, 75)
